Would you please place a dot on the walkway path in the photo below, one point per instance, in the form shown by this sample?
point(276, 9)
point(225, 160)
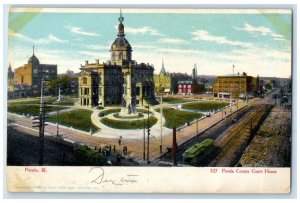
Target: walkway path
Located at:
point(108, 132)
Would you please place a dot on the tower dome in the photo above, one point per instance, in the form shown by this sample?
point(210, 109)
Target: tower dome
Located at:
point(121, 48)
point(33, 58)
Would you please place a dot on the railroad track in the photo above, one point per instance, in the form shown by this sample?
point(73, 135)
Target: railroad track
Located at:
point(234, 141)
point(211, 133)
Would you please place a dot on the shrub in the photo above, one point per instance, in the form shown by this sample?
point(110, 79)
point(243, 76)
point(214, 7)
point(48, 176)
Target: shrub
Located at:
point(88, 157)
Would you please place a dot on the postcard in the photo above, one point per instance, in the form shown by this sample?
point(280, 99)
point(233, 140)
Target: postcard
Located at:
point(145, 100)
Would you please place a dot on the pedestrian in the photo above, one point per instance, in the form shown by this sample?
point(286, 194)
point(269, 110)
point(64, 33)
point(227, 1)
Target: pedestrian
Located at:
point(100, 149)
point(118, 158)
point(114, 148)
point(104, 152)
point(109, 148)
point(120, 142)
point(124, 150)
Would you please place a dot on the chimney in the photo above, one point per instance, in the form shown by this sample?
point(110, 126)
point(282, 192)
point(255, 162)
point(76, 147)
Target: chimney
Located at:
point(86, 62)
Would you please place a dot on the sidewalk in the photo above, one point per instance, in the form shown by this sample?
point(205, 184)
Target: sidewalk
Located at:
point(108, 132)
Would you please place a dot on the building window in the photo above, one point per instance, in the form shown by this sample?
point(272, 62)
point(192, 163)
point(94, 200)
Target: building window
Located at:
point(138, 91)
point(84, 80)
point(86, 91)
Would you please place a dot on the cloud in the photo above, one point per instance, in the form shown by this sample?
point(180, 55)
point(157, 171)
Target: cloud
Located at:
point(203, 35)
point(179, 51)
point(97, 47)
point(78, 30)
point(49, 39)
point(173, 40)
point(142, 30)
point(261, 30)
point(91, 55)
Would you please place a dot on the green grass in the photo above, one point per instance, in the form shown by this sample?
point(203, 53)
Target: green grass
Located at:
point(177, 118)
point(66, 102)
point(30, 109)
point(176, 100)
point(205, 106)
point(79, 119)
point(116, 115)
point(136, 124)
point(109, 111)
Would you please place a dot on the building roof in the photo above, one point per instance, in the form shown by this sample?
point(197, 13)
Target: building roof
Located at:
point(162, 70)
point(121, 41)
point(33, 59)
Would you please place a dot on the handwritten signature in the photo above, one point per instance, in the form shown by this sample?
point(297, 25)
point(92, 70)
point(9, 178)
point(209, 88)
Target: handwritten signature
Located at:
point(98, 177)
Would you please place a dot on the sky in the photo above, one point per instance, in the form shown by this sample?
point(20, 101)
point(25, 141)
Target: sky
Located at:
point(254, 41)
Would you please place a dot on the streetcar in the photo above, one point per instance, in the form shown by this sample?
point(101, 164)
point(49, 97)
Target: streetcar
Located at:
point(198, 153)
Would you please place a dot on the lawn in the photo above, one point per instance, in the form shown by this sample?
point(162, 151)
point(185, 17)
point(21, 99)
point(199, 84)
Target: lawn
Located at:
point(176, 118)
point(30, 109)
point(137, 124)
point(78, 119)
point(171, 100)
point(51, 100)
point(205, 106)
point(109, 111)
point(116, 115)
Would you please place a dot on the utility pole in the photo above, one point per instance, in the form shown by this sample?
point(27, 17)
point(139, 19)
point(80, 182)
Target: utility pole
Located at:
point(57, 125)
point(42, 115)
point(174, 147)
point(41, 124)
point(197, 125)
point(148, 126)
point(144, 147)
point(161, 112)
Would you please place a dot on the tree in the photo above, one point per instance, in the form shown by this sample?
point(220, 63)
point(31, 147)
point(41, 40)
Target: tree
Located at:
point(268, 86)
point(64, 83)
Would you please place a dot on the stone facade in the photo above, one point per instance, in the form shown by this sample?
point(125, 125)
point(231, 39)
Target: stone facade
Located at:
point(118, 81)
point(27, 78)
point(235, 85)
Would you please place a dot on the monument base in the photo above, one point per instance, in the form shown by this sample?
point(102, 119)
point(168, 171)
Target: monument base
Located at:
point(124, 112)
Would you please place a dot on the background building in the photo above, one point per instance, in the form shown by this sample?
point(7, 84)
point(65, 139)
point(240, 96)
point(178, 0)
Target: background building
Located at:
point(10, 79)
point(27, 78)
point(187, 87)
point(162, 81)
point(175, 78)
point(235, 85)
point(119, 81)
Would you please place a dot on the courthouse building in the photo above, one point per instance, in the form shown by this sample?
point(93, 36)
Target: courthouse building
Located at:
point(235, 86)
point(120, 80)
